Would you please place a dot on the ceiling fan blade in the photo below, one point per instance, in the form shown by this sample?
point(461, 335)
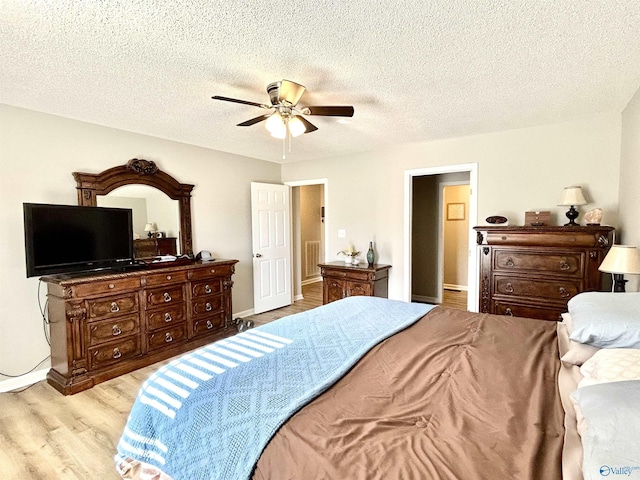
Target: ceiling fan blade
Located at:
point(244, 102)
point(253, 121)
point(330, 111)
point(309, 127)
point(291, 92)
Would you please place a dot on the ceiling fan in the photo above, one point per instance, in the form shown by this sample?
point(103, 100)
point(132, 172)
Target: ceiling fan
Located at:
point(287, 118)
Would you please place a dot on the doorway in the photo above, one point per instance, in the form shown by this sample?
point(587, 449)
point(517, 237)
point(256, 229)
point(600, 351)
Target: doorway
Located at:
point(308, 207)
point(440, 254)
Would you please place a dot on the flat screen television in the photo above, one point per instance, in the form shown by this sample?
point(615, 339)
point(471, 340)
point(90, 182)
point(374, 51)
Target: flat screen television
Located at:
point(70, 238)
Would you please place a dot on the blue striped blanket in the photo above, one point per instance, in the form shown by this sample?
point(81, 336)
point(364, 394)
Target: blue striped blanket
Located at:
point(210, 413)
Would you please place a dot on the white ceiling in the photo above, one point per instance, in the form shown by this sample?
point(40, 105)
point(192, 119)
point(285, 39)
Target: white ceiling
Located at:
point(413, 70)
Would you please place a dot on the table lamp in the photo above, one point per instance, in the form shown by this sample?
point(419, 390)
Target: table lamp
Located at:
point(572, 197)
point(621, 259)
point(150, 228)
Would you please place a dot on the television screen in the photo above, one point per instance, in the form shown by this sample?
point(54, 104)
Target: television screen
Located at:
point(69, 238)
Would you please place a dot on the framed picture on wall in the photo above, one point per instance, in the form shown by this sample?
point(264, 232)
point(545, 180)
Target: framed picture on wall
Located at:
point(455, 211)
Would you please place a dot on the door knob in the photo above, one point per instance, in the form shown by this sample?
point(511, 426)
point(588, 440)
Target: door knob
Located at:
point(258, 255)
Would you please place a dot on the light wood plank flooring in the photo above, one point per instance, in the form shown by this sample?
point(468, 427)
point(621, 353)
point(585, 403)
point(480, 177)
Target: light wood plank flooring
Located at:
point(45, 435)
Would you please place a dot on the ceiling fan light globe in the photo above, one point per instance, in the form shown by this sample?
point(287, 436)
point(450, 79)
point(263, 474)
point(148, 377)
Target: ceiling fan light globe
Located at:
point(296, 127)
point(275, 123)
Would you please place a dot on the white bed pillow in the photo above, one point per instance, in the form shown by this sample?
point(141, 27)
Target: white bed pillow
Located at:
point(612, 365)
point(606, 319)
point(579, 353)
point(609, 429)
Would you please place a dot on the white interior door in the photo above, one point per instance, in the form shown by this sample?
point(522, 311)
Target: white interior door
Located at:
point(271, 236)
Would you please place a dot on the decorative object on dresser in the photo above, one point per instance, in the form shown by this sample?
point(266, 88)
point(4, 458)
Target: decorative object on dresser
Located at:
point(621, 260)
point(371, 255)
point(572, 197)
point(537, 218)
point(150, 228)
point(534, 271)
point(497, 220)
point(104, 325)
point(153, 247)
point(593, 217)
point(340, 280)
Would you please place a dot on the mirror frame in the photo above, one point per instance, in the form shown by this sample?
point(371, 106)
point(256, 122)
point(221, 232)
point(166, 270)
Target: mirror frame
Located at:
point(139, 172)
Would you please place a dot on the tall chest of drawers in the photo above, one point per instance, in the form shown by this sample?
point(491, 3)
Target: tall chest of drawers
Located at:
point(534, 271)
point(105, 325)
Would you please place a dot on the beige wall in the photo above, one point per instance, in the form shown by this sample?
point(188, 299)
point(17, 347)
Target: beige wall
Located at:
point(456, 235)
point(629, 198)
point(37, 155)
point(518, 170)
point(311, 200)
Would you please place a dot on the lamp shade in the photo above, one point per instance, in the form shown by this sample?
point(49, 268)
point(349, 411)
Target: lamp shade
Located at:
point(572, 196)
point(621, 259)
point(150, 227)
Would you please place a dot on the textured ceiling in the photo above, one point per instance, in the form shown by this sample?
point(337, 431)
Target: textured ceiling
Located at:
point(413, 70)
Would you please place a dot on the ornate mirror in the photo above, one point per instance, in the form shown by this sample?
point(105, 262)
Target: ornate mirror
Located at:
point(135, 176)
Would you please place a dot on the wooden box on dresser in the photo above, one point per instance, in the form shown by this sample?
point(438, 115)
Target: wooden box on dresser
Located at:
point(105, 325)
point(534, 271)
point(340, 280)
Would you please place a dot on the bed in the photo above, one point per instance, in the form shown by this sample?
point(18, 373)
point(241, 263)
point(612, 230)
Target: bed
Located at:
point(368, 388)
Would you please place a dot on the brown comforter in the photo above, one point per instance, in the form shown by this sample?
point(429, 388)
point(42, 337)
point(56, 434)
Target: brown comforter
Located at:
point(458, 395)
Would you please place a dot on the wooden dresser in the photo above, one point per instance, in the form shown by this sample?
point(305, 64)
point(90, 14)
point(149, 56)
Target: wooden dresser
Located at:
point(534, 271)
point(105, 325)
point(341, 280)
point(153, 247)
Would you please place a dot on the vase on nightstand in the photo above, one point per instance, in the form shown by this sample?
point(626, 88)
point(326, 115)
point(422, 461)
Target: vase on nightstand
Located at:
point(371, 256)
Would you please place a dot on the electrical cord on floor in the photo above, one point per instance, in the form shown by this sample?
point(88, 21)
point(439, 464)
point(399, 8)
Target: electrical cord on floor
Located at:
point(45, 322)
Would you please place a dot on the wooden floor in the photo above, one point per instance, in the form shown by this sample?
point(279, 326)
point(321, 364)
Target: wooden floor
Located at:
point(45, 435)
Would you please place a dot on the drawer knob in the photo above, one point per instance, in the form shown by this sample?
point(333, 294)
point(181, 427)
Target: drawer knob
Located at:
point(564, 293)
point(564, 265)
point(115, 330)
point(111, 285)
point(508, 312)
point(213, 270)
point(510, 263)
point(207, 289)
point(116, 353)
point(508, 288)
point(169, 277)
point(167, 317)
point(208, 307)
point(168, 338)
point(167, 297)
point(114, 307)
point(209, 325)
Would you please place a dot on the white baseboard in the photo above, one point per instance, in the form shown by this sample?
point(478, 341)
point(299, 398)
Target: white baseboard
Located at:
point(423, 299)
point(298, 297)
point(23, 381)
point(462, 288)
point(243, 314)
point(311, 280)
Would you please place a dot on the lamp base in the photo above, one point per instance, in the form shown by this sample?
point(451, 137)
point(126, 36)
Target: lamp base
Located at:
point(150, 234)
point(572, 214)
point(618, 282)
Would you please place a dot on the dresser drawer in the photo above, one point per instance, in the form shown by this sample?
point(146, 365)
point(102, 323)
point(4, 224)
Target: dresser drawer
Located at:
point(209, 323)
point(105, 287)
point(212, 271)
point(172, 335)
point(107, 330)
point(570, 264)
point(165, 295)
point(538, 311)
point(554, 290)
point(206, 305)
point(165, 317)
point(166, 278)
point(349, 274)
point(112, 306)
point(210, 287)
point(113, 352)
